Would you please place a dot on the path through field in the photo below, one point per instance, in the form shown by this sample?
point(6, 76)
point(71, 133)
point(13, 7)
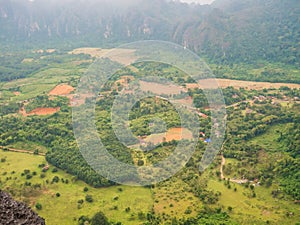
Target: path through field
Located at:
point(21, 151)
point(221, 168)
point(238, 181)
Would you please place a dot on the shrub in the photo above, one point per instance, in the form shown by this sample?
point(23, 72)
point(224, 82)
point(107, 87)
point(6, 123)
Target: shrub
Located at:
point(38, 206)
point(99, 218)
point(89, 198)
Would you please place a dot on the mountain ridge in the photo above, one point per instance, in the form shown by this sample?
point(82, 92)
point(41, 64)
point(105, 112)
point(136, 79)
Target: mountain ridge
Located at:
point(227, 31)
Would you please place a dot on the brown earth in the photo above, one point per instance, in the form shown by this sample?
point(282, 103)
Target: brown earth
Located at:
point(157, 88)
point(93, 52)
point(62, 89)
point(39, 111)
point(123, 56)
point(176, 134)
point(251, 85)
point(43, 111)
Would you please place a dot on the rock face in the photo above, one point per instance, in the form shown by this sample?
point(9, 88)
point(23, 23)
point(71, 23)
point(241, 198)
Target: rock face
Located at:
point(17, 213)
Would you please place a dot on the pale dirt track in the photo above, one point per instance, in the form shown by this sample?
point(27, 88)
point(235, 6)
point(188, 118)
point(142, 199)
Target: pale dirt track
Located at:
point(21, 151)
point(250, 85)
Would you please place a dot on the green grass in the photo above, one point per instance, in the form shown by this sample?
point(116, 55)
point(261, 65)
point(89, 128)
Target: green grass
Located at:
point(173, 198)
point(258, 210)
point(64, 209)
point(268, 140)
point(5, 95)
point(40, 83)
point(29, 146)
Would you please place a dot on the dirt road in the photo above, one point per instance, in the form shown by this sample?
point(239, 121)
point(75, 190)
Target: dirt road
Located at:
point(21, 151)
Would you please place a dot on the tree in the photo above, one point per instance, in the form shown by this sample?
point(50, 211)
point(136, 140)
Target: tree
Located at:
point(99, 219)
point(140, 162)
point(89, 198)
point(38, 206)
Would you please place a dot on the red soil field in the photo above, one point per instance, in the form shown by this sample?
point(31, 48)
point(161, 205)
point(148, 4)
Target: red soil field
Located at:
point(178, 134)
point(62, 89)
point(43, 111)
point(40, 111)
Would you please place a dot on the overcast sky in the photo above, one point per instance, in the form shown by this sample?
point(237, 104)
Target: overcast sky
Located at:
point(198, 1)
point(126, 2)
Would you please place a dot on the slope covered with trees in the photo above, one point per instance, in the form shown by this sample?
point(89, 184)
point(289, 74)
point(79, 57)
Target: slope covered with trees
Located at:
point(226, 32)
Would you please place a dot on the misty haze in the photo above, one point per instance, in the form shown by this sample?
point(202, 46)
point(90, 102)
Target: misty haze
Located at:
point(149, 112)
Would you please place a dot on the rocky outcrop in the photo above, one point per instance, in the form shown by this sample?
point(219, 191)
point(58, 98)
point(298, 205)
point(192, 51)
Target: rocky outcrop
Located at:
point(17, 213)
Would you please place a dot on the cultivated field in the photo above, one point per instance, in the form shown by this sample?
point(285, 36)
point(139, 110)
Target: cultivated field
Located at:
point(40, 111)
point(158, 88)
point(176, 134)
point(250, 85)
point(123, 56)
point(62, 89)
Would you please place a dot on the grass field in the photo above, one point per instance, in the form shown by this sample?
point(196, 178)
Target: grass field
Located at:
point(64, 209)
point(268, 140)
point(258, 210)
point(172, 198)
point(40, 83)
point(30, 146)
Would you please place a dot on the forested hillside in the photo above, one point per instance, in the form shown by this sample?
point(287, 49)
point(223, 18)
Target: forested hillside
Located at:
point(228, 31)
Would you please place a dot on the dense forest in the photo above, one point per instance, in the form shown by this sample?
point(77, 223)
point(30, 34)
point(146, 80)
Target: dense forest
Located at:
point(225, 32)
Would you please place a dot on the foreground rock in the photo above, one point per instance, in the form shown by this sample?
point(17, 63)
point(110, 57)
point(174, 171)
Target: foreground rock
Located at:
point(16, 213)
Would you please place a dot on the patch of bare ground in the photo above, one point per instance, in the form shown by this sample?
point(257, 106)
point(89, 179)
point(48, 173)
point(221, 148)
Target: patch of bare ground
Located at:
point(157, 88)
point(250, 85)
point(123, 56)
point(62, 89)
point(176, 133)
point(39, 111)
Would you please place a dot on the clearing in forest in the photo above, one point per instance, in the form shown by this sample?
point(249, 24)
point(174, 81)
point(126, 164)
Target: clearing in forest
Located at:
point(120, 55)
point(62, 89)
point(176, 133)
point(40, 111)
point(250, 85)
point(159, 89)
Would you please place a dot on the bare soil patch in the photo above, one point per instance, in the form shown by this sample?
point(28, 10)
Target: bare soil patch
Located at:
point(43, 111)
point(123, 82)
point(123, 56)
point(188, 101)
point(93, 52)
point(157, 88)
point(39, 111)
point(250, 85)
point(62, 89)
point(27, 60)
point(177, 134)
